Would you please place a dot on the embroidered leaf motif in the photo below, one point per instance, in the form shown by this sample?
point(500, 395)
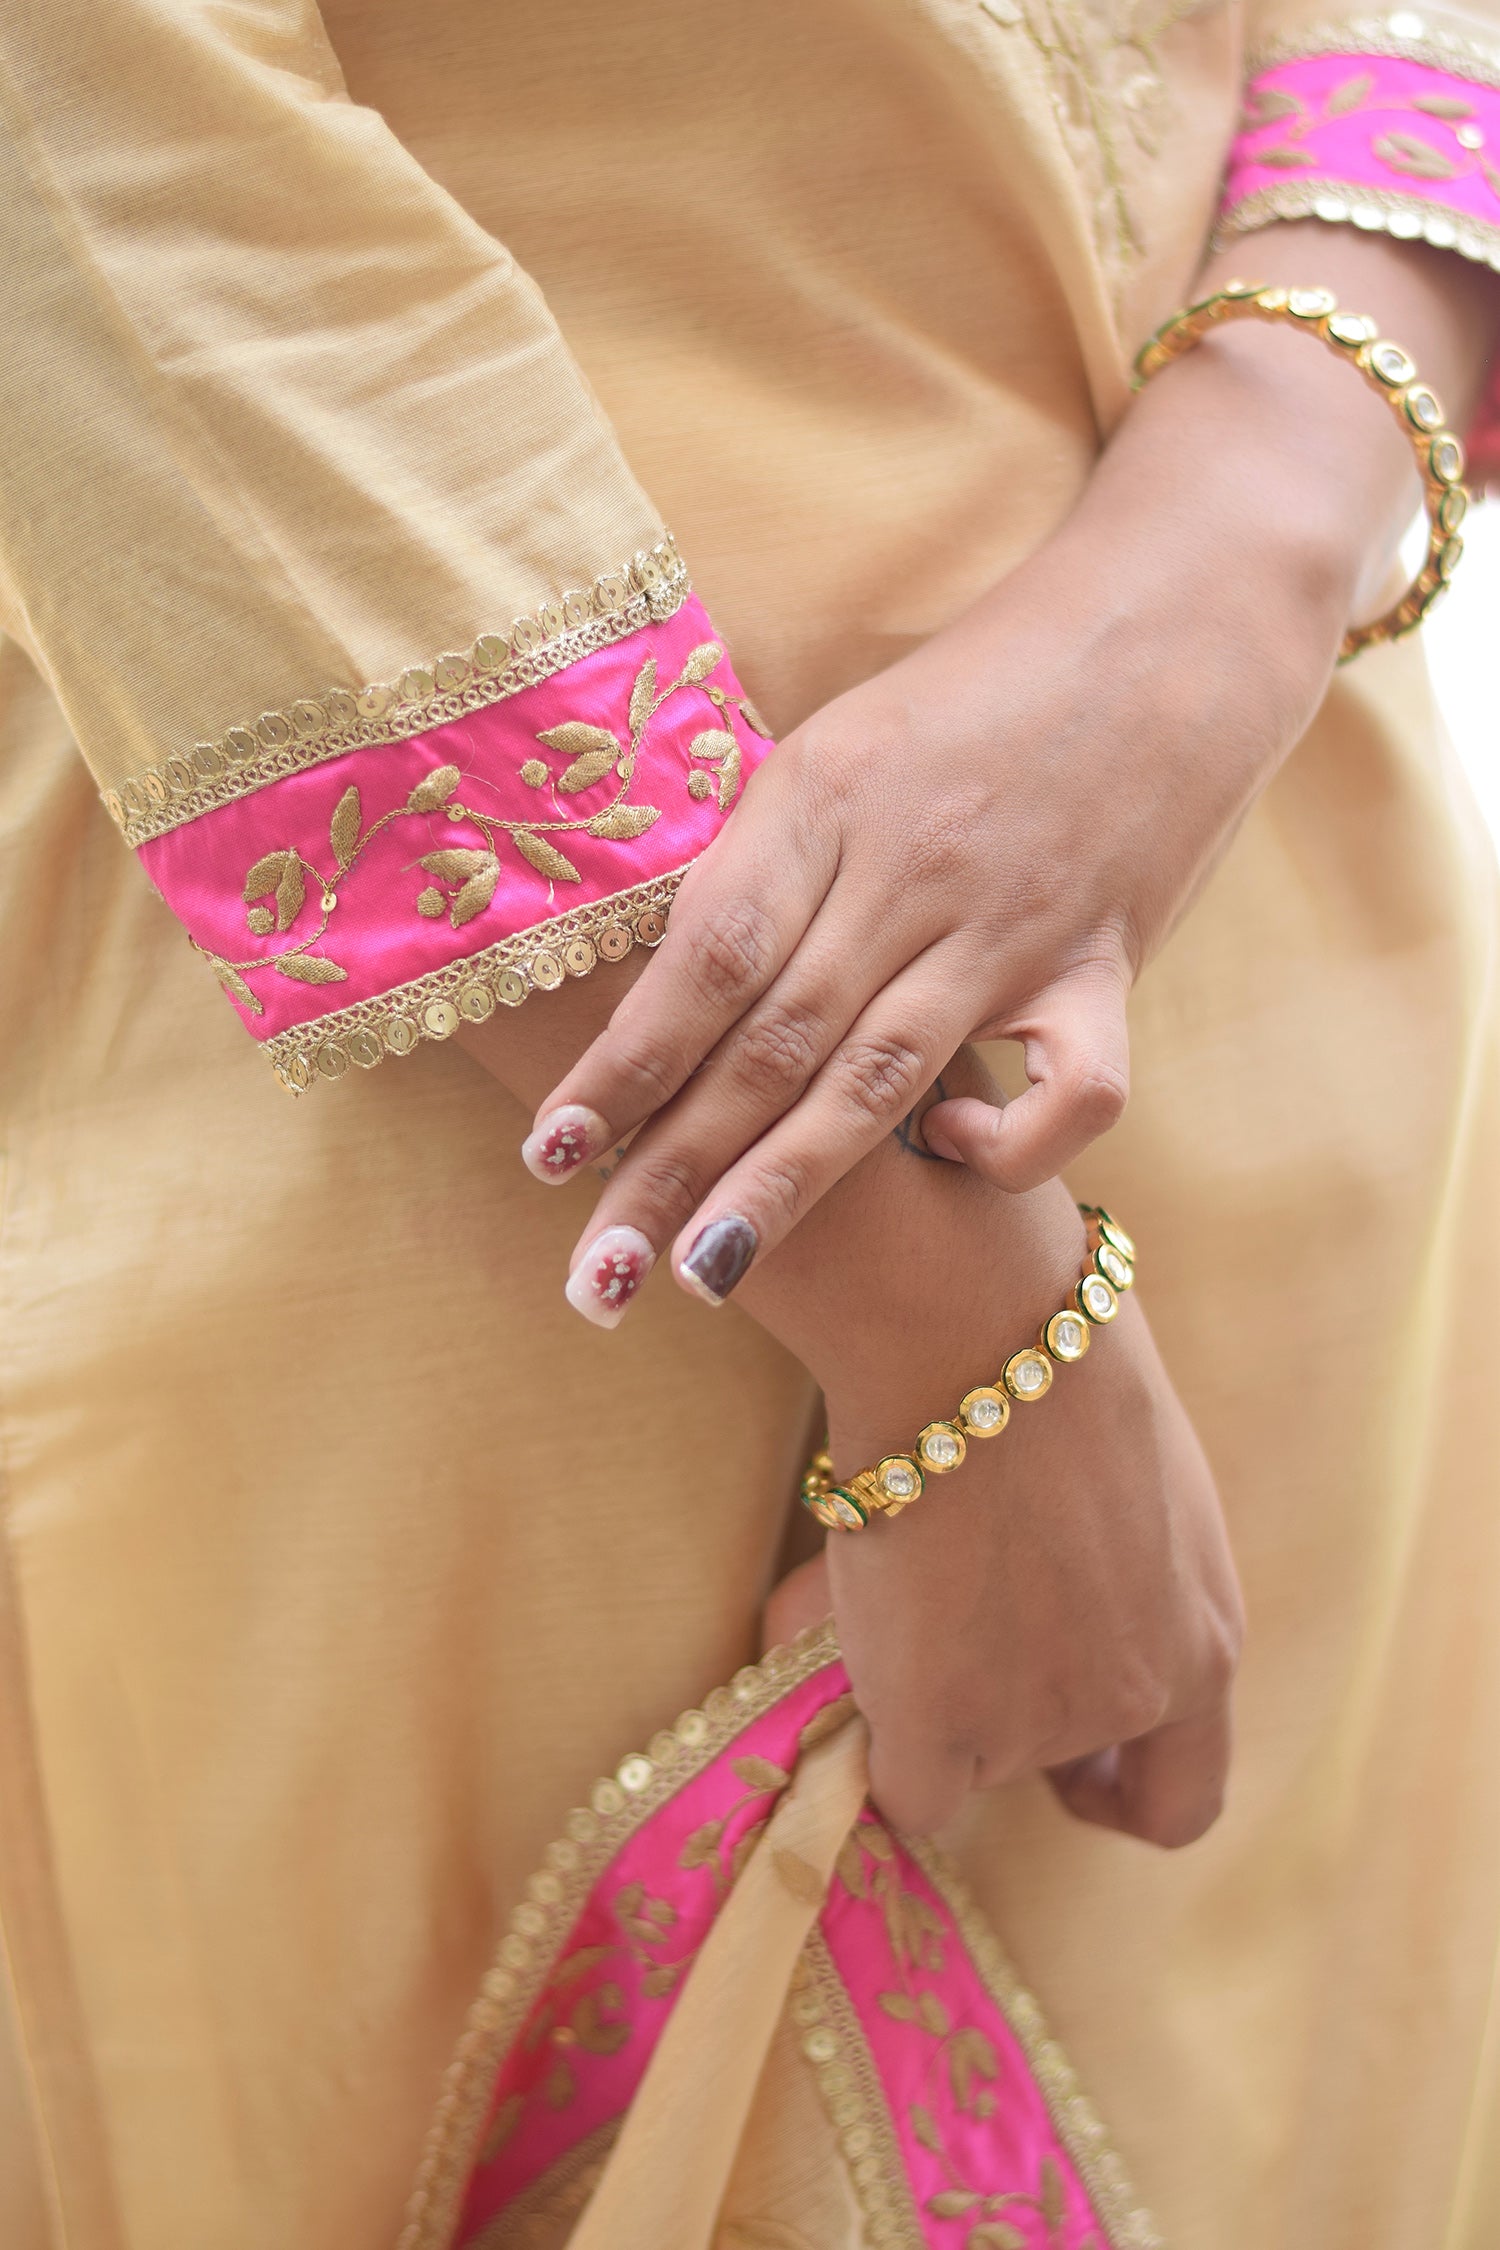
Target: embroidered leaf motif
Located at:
point(576, 740)
point(995, 2234)
point(290, 892)
point(898, 2005)
point(1490, 174)
point(578, 1964)
point(533, 773)
point(1441, 105)
point(544, 857)
point(456, 865)
point(874, 1837)
point(435, 790)
point(744, 1848)
point(934, 2015)
point(507, 2118)
point(1268, 103)
point(266, 874)
point(701, 1849)
point(759, 1773)
point(923, 2130)
point(851, 1867)
point(235, 984)
point(1054, 2203)
point(701, 662)
point(561, 2086)
point(432, 903)
point(1408, 152)
point(1284, 157)
point(641, 696)
point(475, 895)
point(596, 2034)
point(700, 784)
point(715, 742)
point(628, 1899)
point(661, 1911)
point(754, 718)
point(309, 968)
point(343, 829)
point(952, 2203)
point(970, 2056)
point(1349, 95)
point(824, 1723)
point(622, 821)
point(658, 1982)
point(583, 772)
point(800, 1877)
point(729, 778)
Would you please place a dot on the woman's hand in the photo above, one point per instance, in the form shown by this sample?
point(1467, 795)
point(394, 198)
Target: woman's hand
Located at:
point(992, 837)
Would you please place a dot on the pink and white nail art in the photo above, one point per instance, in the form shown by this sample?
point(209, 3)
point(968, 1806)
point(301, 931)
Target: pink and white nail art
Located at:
point(608, 1275)
point(564, 1139)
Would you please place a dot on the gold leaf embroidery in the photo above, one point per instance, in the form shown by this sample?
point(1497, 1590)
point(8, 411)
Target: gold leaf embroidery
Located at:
point(1283, 157)
point(431, 903)
point(290, 893)
point(578, 1964)
point(1490, 174)
point(266, 874)
point(507, 2118)
point(1265, 104)
point(875, 1838)
point(641, 695)
point(702, 1846)
point(308, 968)
point(533, 773)
point(755, 718)
point(933, 2015)
point(661, 1911)
point(729, 778)
point(851, 1867)
point(923, 2129)
point(712, 743)
point(343, 830)
point(1054, 2206)
point(1408, 152)
point(434, 790)
point(744, 1848)
point(800, 1877)
point(561, 2086)
point(995, 2234)
point(234, 983)
point(1349, 95)
point(261, 920)
point(596, 2034)
point(760, 1773)
point(476, 894)
point(898, 2005)
point(1442, 105)
point(624, 821)
point(575, 738)
point(456, 864)
point(657, 1982)
point(701, 662)
point(952, 2203)
point(583, 772)
point(824, 1723)
point(545, 857)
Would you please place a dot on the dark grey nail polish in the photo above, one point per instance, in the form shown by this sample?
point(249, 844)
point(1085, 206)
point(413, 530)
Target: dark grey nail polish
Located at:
point(720, 1258)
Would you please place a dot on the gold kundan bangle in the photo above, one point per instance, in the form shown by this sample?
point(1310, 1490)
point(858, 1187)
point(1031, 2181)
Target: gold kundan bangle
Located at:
point(897, 1480)
point(1388, 370)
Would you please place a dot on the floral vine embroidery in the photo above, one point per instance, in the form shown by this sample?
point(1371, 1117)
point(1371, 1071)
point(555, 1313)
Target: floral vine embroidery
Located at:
point(868, 1866)
point(1411, 154)
point(463, 879)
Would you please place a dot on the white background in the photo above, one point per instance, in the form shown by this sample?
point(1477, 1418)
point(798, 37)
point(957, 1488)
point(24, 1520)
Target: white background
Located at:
point(1463, 648)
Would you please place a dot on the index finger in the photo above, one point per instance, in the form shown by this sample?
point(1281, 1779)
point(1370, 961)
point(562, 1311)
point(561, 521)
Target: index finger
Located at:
point(740, 914)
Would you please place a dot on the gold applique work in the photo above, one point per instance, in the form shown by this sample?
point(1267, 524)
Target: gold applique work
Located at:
point(649, 589)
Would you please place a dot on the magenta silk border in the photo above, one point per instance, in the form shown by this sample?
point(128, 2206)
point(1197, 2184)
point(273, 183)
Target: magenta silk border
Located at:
point(1385, 141)
point(372, 871)
point(962, 2146)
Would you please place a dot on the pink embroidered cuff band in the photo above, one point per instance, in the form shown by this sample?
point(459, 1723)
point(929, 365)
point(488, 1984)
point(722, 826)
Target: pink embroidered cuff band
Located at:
point(1383, 126)
point(419, 882)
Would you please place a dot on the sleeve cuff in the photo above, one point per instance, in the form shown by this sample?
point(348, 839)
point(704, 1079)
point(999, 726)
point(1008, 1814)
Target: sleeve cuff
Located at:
point(354, 900)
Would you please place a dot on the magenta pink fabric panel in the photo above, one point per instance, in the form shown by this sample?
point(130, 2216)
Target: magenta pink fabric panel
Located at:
point(1422, 143)
point(340, 882)
point(967, 2138)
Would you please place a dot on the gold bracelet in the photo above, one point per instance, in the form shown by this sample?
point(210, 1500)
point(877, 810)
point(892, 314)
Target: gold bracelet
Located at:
point(897, 1480)
point(1390, 371)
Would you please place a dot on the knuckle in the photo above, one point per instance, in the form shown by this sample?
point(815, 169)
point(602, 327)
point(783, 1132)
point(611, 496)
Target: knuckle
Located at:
point(778, 1051)
point(1172, 1826)
point(881, 1075)
point(730, 951)
point(664, 1180)
point(647, 1075)
point(1139, 1707)
point(1097, 1093)
point(783, 1188)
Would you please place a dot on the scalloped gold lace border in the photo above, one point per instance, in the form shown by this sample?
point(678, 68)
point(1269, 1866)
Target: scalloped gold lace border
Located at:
point(618, 1805)
point(648, 589)
point(1405, 35)
point(469, 990)
point(1392, 211)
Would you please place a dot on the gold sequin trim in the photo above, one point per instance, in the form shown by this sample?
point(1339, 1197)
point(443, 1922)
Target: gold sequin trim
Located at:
point(648, 589)
point(540, 1925)
point(469, 990)
point(1405, 36)
point(1392, 211)
point(836, 2050)
point(1127, 2222)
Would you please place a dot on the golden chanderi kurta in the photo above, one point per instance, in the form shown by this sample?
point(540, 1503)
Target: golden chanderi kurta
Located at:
point(338, 1556)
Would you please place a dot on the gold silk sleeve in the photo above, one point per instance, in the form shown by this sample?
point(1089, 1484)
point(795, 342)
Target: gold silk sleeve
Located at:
point(278, 416)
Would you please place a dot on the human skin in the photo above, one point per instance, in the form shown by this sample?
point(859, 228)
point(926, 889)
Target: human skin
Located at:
point(1037, 795)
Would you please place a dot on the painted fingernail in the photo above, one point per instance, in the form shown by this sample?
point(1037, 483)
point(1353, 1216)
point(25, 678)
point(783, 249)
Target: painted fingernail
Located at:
point(719, 1258)
point(608, 1275)
point(564, 1139)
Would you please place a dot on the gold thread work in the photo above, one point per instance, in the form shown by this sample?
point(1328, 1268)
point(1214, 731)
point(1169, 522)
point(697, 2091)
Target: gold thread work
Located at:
point(649, 589)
